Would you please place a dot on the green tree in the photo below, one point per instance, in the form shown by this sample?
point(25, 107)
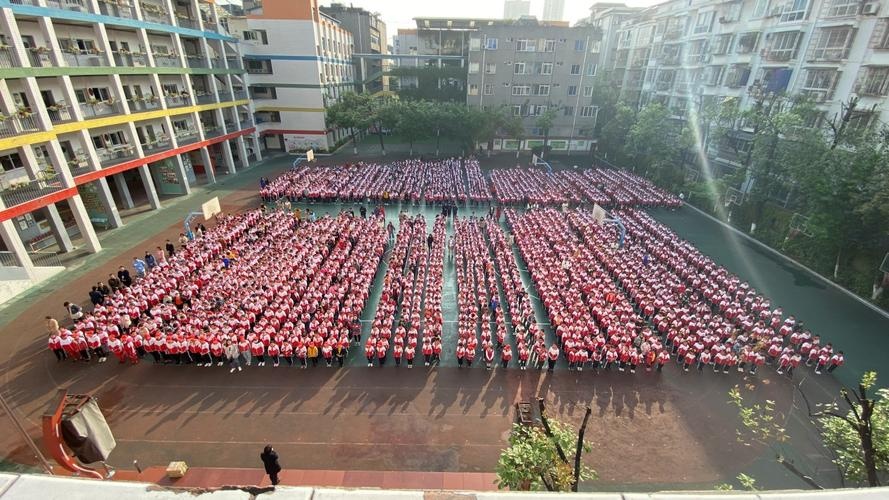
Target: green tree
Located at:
point(606, 96)
point(657, 144)
point(414, 121)
point(386, 114)
point(353, 112)
point(536, 458)
point(514, 129)
point(613, 135)
point(545, 122)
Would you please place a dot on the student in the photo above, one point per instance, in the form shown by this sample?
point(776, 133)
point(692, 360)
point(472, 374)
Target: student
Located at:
point(73, 311)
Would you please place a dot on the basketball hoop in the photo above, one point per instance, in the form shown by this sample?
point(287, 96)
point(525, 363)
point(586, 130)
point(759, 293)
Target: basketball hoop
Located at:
point(733, 197)
point(799, 224)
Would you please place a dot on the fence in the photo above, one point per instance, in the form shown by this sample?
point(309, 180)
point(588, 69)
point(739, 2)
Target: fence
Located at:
point(24, 192)
point(38, 259)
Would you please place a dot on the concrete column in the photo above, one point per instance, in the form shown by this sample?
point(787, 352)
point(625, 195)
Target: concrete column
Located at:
point(256, 149)
point(150, 190)
point(242, 152)
point(14, 243)
point(181, 175)
point(127, 199)
point(208, 165)
point(104, 193)
point(58, 228)
point(11, 28)
point(227, 157)
point(83, 223)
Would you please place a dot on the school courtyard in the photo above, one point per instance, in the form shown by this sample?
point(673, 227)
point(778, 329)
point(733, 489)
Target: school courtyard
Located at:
point(649, 432)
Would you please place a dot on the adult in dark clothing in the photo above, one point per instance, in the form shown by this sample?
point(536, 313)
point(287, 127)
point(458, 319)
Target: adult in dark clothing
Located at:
point(114, 282)
point(170, 247)
point(270, 460)
point(363, 211)
point(96, 296)
point(123, 274)
point(103, 288)
point(429, 240)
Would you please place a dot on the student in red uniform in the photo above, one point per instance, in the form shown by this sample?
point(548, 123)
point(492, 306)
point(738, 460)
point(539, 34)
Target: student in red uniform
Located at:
point(397, 354)
point(257, 349)
point(489, 356)
point(506, 355)
point(274, 352)
point(663, 358)
point(381, 353)
point(552, 356)
point(835, 361)
point(524, 354)
point(370, 351)
point(409, 353)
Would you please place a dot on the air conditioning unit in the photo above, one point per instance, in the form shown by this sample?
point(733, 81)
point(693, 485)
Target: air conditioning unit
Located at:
point(870, 9)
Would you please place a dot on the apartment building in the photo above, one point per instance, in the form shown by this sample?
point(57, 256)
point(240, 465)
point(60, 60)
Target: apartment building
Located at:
point(370, 42)
point(299, 61)
point(684, 53)
point(531, 66)
point(109, 104)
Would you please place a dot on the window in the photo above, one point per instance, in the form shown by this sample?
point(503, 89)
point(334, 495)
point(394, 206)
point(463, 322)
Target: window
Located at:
point(711, 75)
point(489, 89)
point(258, 67)
point(832, 44)
point(521, 90)
point(737, 76)
point(747, 42)
point(572, 90)
point(490, 68)
point(11, 161)
point(794, 10)
point(549, 46)
point(518, 68)
point(87, 94)
point(588, 111)
point(874, 82)
point(524, 45)
point(591, 69)
point(536, 109)
point(568, 111)
point(259, 36)
point(474, 43)
point(782, 45)
point(264, 92)
point(722, 44)
point(761, 8)
point(540, 89)
point(588, 91)
point(473, 68)
point(704, 22)
point(579, 45)
point(842, 8)
point(491, 44)
point(517, 110)
point(819, 84)
point(575, 69)
point(546, 69)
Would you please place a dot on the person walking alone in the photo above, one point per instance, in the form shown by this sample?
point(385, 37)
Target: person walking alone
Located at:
point(270, 460)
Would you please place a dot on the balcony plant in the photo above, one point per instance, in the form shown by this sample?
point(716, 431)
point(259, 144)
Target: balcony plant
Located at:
point(23, 112)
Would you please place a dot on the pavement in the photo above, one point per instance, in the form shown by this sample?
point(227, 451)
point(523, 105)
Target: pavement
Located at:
point(649, 432)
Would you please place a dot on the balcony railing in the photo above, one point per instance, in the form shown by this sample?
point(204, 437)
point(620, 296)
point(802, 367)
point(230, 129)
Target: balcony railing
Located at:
point(217, 62)
point(100, 108)
point(186, 22)
point(205, 98)
point(144, 103)
point(157, 145)
point(196, 60)
point(175, 101)
point(23, 192)
point(13, 125)
point(209, 25)
point(117, 8)
point(154, 13)
point(7, 59)
point(246, 123)
point(119, 154)
point(167, 60)
point(189, 136)
point(234, 62)
point(59, 113)
point(135, 59)
point(76, 5)
point(39, 57)
point(212, 130)
point(75, 57)
point(25, 2)
point(225, 96)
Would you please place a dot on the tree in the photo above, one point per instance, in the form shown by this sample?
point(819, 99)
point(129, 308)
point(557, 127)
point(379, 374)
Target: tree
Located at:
point(613, 135)
point(545, 122)
point(536, 459)
point(353, 112)
point(859, 433)
point(514, 129)
point(414, 121)
point(657, 144)
point(385, 115)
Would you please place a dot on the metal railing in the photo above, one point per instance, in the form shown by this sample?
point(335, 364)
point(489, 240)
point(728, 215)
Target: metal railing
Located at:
point(117, 8)
point(38, 259)
point(39, 57)
point(59, 114)
point(25, 2)
point(24, 192)
point(196, 60)
point(159, 144)
point(212, 130)
point(7, 58)
point(205, 98)
point(246, 123)
point(154, 14)
point(116, 156)
point(12, 126)
point(85, 59)
point(79, 167)
point(130, 59)
point(240, 95)
point(187, 22)
point(167, 61)
point(216, 62)
point(100, 108)
point(225, 96)
point(234, 62)
point(144, 103)
point(175, 101)
point(75, 5)
point(187, 137)
point(230, 126)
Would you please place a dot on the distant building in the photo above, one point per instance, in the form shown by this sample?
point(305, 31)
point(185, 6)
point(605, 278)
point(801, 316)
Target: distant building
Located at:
point(514, 9)
point(553, 10)
point(405, 43)
point(299, 61)
point(608, 17)
point(369, 36)
point(531, 66)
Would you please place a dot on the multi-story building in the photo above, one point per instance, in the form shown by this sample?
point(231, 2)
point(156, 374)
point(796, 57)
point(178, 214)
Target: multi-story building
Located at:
point(683, 53)
point(553, 10)
point(609, 17)
point(514, 9)
point(370, 41)
point(531, 66)
point(299, 61)
point(106, 104)
point(405, 43)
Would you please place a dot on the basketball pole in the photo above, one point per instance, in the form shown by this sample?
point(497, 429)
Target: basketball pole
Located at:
point(21, 429)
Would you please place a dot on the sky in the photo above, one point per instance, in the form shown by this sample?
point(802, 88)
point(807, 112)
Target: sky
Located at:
point(400, 13)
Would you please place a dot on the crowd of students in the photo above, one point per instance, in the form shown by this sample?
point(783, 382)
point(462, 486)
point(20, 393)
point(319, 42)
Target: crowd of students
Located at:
point(263, 288)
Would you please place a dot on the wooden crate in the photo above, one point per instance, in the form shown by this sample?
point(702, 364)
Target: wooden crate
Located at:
point(176, 470)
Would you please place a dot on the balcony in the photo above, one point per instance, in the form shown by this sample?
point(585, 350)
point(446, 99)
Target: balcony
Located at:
point(212, 130)
point(225, 96)
point(177, 100)
point(234, 62)
point(155, 13)
point(116, 155)
point(133, 59)
point(217, 62)
point(203, 97)
point(817, 95)
point(186, 21)
point(828, 54)
point(209, 25)
point(79, 165)
point(23, 192)
point(230, 126)
point(240, 95)
point(39, 57)
point(95, 108)
point(75, 5)
point(157, 145)
point(663, 86)
point(167, 60)
point(196, 61)
point(85, 58)
point(187, 136)
point(59, 113)
point(7, 59)
point(246, 123)
point(117, 8)
point(144, 102)
point(21, 122)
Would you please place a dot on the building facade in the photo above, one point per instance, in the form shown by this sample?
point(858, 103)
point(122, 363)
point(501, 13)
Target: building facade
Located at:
point(514, 9)
point(530, 67)
point(684, 54)
point(370, 39)
point(109, 104)
point(609, 17)
point(299, 61)
point(553, 10)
